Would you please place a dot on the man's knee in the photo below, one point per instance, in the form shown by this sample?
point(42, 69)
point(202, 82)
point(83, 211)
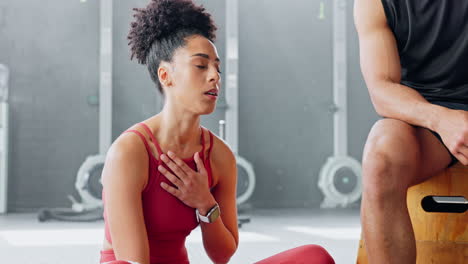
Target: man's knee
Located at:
point(390, 158)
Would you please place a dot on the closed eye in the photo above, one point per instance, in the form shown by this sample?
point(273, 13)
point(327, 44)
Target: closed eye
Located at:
point(205, 67)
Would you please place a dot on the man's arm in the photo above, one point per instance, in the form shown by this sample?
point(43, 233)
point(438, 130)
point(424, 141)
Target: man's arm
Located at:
point(380, 65)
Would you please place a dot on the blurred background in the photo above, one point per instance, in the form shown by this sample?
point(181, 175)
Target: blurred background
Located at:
point(291, 56)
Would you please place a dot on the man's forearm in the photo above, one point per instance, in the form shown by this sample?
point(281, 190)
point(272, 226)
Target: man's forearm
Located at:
point(393, 100)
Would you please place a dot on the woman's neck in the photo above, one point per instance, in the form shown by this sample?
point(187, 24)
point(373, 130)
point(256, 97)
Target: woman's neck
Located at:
point(178, 130)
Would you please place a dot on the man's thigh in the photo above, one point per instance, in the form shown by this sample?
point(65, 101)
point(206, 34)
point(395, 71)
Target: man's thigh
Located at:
point(435, 157)
point(408, 145)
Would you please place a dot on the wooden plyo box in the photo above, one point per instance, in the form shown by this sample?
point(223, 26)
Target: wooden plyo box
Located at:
point(441, 238)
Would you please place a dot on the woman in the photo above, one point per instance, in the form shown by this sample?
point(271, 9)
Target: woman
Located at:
point(168, 169)
point(167, 174)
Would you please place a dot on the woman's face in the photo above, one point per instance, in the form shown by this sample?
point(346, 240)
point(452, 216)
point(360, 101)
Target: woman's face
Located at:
point(195, 76)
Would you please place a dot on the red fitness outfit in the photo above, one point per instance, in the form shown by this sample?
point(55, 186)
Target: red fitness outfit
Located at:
point(308, 254)
point(168, 221)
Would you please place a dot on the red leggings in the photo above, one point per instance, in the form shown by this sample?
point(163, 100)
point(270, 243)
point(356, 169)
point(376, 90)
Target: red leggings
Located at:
point(308, 254)
point(119, 262)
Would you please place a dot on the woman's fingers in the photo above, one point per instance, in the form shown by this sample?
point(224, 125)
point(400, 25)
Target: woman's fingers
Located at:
point(200, 165)
point(177, 193)
point(190, 186)
point(174, 167)
point(171, 177)
point(179, 162)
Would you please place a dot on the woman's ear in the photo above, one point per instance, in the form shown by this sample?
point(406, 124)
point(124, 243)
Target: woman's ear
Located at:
point(164, 74)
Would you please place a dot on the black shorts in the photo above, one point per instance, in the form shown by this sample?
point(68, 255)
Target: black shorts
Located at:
point(456, 106)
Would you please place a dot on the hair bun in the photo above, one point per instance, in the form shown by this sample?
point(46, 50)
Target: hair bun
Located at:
point(161, 18)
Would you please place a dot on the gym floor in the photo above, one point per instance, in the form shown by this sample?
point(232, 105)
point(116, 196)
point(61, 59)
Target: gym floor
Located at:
point(24, 240)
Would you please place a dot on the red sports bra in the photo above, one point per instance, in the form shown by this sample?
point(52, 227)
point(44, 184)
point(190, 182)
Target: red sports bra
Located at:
point(168, 221)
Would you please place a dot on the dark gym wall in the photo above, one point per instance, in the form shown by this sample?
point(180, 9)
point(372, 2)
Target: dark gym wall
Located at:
point(285, 91)
point(286, 130)
point(52, 52)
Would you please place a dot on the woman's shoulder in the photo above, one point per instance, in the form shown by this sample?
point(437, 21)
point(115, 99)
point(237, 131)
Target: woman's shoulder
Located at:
point(129, 143)
point(128, 148)
point(221, 154)
point(125, 159)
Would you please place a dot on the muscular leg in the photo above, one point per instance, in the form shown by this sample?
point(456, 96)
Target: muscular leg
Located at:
point(397, 156)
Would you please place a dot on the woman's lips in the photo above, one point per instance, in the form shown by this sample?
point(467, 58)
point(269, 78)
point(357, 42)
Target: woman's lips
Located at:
point(212, 96)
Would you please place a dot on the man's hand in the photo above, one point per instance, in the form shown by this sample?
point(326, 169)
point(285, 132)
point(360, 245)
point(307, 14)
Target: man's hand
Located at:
point(191, 187)
point(453, 129)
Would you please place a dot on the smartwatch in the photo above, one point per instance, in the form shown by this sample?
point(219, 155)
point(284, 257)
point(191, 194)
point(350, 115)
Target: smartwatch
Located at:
point(211, 216)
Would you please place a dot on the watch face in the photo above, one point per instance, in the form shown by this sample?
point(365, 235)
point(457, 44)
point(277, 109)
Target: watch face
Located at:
point(214, 214)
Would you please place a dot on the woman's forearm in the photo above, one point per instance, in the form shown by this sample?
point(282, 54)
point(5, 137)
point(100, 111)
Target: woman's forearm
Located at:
point(218, 241)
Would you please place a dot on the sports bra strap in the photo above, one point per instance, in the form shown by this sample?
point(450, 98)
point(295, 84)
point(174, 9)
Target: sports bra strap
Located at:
point(211, 144)
point(203, 143)
point(142, 138)
point(153, 138)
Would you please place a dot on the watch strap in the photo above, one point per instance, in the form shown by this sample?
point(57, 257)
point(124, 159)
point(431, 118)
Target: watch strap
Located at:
point(207, 218)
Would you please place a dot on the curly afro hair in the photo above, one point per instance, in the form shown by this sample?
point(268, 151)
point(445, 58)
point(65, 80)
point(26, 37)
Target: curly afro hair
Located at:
point(162, 27)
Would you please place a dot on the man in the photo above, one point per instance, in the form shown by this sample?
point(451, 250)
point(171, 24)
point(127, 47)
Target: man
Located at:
point(414, 58)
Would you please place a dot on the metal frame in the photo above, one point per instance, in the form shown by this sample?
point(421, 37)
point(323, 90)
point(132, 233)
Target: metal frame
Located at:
point(340, 131)
point(4, 141)
point(340, 158)
point(3, 157)
point(232, 94)
point(105, 76)
point(105, 110)
point(232, 74)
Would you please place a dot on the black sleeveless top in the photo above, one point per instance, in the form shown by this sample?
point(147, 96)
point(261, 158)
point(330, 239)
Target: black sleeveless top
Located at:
point(432, 39)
